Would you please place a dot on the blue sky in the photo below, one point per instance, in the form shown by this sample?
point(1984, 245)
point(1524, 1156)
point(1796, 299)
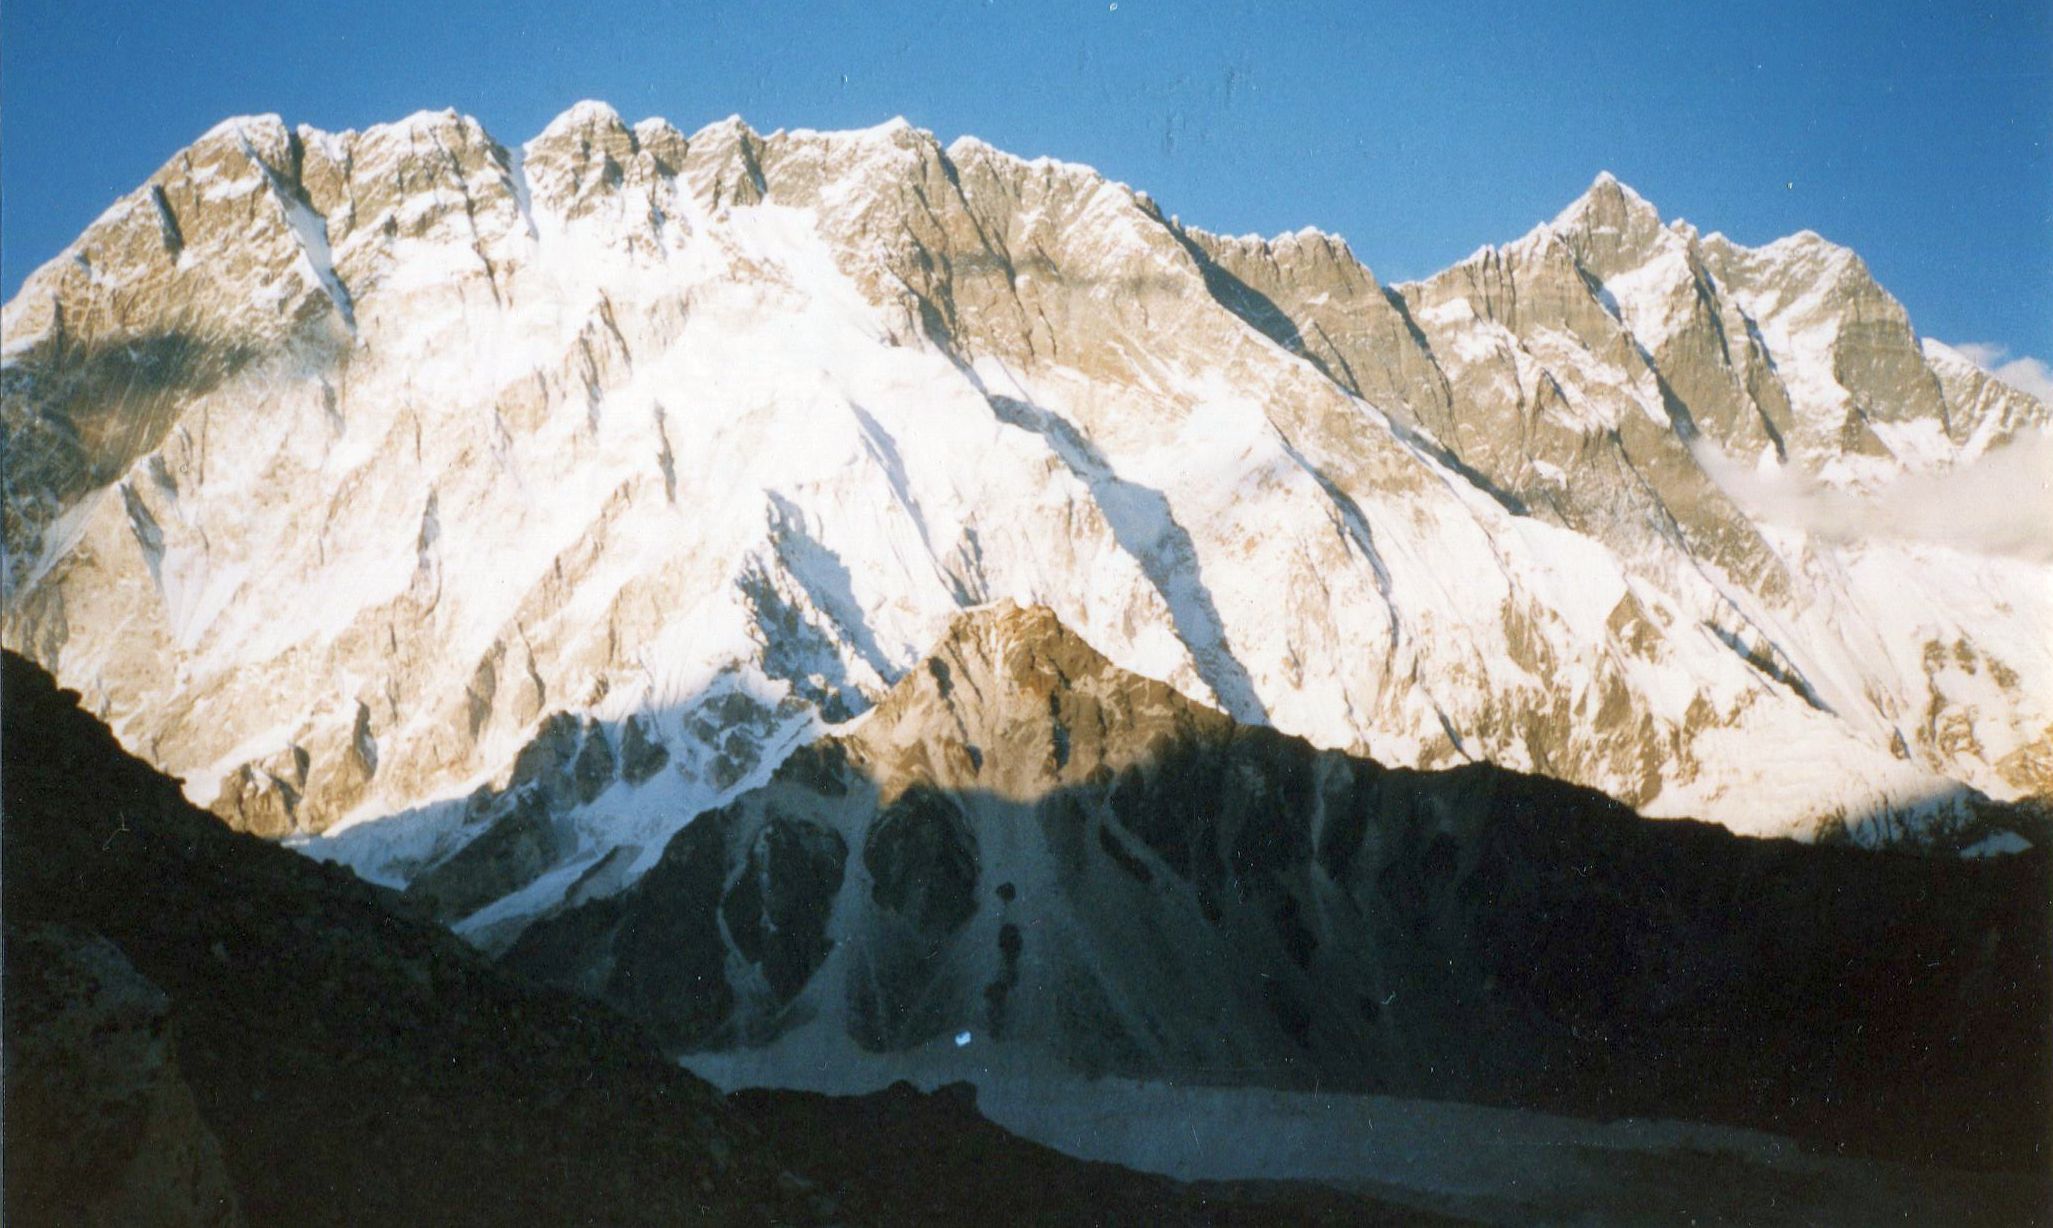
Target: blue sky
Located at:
point(1919, 134)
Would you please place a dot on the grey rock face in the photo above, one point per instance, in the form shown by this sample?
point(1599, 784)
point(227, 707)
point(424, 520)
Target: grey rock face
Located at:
point(523, 831)
point(102, 1127)
point(641, 755)
point(777, 911)
point(511, 853)
point(254, 801)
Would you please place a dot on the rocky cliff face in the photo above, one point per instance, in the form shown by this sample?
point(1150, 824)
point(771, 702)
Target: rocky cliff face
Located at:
point(345, 469)
point(102, 1126)
point(1027, 859)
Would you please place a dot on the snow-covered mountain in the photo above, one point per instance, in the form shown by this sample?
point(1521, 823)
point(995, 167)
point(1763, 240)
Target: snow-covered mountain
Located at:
point(400, 489)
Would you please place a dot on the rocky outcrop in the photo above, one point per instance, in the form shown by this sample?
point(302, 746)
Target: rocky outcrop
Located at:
point(101, 1126)
point(1075, 868)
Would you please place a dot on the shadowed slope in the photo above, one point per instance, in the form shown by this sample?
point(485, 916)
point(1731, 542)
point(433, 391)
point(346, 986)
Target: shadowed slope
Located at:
point(358, 1065)
point(1078, 866)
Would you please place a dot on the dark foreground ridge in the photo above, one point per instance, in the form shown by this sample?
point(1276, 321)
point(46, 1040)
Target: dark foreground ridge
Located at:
point(202, 1027)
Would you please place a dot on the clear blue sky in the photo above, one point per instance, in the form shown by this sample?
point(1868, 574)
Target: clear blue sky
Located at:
point(1916, 133)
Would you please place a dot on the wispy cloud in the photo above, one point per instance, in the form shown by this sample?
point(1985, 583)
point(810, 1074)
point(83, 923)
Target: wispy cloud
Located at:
point(2000, 503)
point(2024, 373)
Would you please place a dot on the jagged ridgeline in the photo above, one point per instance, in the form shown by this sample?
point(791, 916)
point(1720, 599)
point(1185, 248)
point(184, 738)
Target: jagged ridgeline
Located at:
point(477, 514)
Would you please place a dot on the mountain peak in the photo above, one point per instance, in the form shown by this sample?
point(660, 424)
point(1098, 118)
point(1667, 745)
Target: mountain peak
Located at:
point(1610, 227)
point(896, 130)
point(583, 114)
point(1006, 621)
point(1608, 202)
point(1013, 700)
point(238, 125)
point(581, 120)
point(967, 149)
point(725, 131)
point(1007, 644)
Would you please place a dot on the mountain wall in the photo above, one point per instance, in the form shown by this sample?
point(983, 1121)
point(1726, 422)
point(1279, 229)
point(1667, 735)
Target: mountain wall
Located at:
point(384, 485)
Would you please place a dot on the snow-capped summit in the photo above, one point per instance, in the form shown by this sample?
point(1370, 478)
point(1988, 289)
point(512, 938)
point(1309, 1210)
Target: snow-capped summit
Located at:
point(1607, 222)
point(401, 487)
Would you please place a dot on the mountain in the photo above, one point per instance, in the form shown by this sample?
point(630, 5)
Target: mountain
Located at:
point(203, 1028)
point(476, 515)
point(1027, 862)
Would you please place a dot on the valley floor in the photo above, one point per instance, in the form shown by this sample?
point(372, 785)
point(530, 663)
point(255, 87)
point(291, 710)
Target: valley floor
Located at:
point(1468, 1162)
